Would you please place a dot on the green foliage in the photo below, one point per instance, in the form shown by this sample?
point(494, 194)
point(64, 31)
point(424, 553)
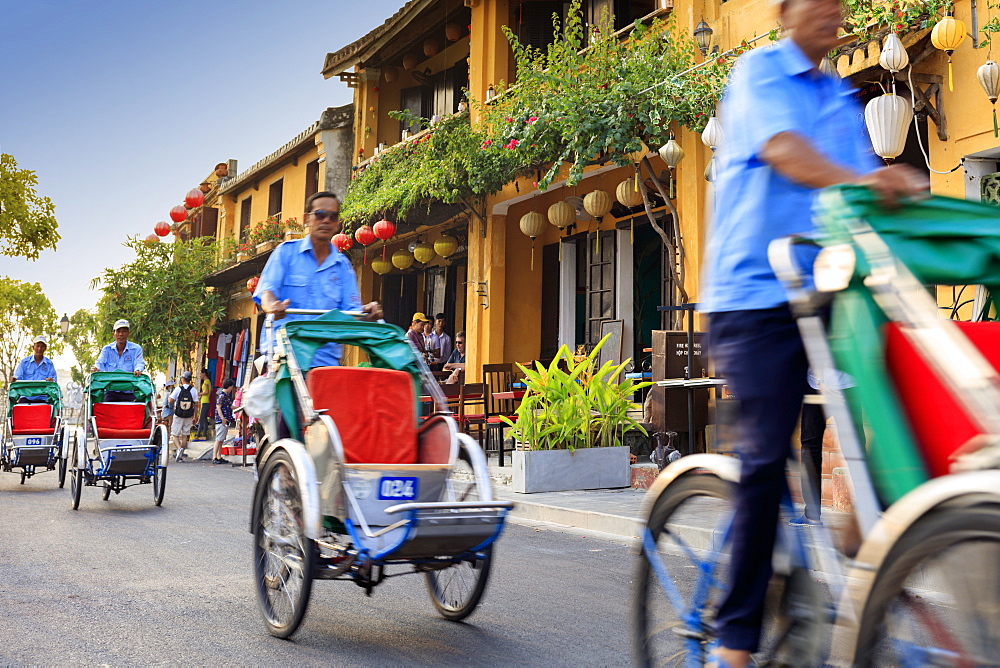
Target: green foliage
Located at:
point(272, 229)
point(163, 295)
point(866, 17)
point(25, 312)
point(86, 335)
point(27, 220)
point(569, 405)
point(990, 27)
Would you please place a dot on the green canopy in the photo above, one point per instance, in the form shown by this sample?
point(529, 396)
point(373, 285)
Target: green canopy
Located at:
point(100, 382)
point(385, 344)
point(34, 388)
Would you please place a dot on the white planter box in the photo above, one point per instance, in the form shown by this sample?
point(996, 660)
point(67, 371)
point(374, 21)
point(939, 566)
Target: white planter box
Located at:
point(562, 470)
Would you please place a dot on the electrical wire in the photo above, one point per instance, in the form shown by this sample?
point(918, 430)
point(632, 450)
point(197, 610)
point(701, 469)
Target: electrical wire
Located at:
point(916, 128)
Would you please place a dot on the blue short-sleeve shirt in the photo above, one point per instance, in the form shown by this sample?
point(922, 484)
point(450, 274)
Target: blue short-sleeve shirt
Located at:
point(28, 369)
point(130, 359)
point(772, 90)
point(293, 273)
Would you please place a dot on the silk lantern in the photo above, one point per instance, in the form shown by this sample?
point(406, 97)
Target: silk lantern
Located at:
point(893, 57)
point(342, 242)
point(409, 62)
point(888, 118)
point(947, 35)
point(711, 136)
point(364, 236)
point(389, 73)
point(671, 153)
point(989, 78)
point(431, 47)
point(380, 266)
point(532, 225)
point(194, 198)
point(627, 192)
point(402, 259)
point(152, 239)
point(561, 214)
point(597, 203)
point(384, 229)
point(445, 245)
point(178, 214)
point(423, 252)
point(252, 283)
point(453, 31)
point(162, 229)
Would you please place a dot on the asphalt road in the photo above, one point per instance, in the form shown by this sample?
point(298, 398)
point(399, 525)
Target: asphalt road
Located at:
point(123, 582)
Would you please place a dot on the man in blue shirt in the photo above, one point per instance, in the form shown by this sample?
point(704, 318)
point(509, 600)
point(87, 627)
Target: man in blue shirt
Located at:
point(789, 130)
point(122, 354)
point(311, 274)
point(36, 366)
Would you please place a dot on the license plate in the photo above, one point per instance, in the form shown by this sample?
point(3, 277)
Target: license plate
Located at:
point(34, 441)
point(393, 489)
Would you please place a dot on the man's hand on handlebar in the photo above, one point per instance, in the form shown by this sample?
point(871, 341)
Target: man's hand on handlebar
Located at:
point(896, 181)
point(372, 311)
point(270, 304)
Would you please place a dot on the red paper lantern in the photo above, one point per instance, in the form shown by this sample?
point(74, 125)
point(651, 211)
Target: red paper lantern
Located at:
point(162, 229)
point(178, 214)
point(252, 283)
point(194, 198)
point(152, 239)
point(364, 236)
point(342, 242)
point(384, 229)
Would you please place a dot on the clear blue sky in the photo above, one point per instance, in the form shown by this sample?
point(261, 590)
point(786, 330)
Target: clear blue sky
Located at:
point(121, 107)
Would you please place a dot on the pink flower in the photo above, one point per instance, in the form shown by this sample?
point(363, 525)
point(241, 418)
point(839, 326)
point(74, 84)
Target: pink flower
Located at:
point(487, 143)
point(532, 120)
point(511, 144)
point(509, 119)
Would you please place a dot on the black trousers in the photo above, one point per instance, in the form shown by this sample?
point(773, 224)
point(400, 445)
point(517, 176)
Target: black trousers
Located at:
point(203, 422)
point(811, 437)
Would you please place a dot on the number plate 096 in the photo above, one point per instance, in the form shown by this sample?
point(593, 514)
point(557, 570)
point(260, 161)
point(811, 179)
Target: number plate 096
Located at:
point(390, 489)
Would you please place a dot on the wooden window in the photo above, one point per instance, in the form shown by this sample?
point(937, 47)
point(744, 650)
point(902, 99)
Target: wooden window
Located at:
point(245, 217)
point(274, 198)
point(600, 284)
point(312, 179)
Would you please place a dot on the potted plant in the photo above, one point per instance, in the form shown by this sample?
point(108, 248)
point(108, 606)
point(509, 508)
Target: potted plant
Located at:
point(293, 229)
point(570, 425)
point(244, 251)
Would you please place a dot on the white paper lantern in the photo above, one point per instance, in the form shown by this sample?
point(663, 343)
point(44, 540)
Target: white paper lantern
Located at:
point(888, 119)
point(894, 57)
point(711, 136)
point(671, 153)
point(989, 78)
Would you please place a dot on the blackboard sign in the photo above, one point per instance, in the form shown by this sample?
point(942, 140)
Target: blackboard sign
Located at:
point(612, 349)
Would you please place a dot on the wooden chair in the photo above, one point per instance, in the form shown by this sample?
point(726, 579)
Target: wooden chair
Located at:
point(498, 378)
point(467, 403)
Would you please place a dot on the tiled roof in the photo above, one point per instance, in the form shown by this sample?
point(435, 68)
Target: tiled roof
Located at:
point(345, 58)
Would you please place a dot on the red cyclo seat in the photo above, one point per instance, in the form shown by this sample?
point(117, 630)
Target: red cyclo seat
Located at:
point(121, 420)
point(31, 419)
point(374, 410)
point(939, 424)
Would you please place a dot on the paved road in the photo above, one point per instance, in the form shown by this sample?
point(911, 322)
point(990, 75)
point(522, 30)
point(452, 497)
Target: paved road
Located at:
point(123, 582)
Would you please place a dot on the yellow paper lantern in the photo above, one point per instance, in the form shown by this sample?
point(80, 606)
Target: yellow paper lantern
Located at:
point(947, 35)
point(532, 224)
point(409, 62)
point(402, 259)
point(597, 203)
point(424, 252)
point(562, 214)
point(380, 266)
point(431, 47)
point(637, 156)
point(445, 245)
point(628, 192)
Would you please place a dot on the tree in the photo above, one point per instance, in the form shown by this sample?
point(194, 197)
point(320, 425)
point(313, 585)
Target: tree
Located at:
point(164, 297)
point(85, 336)
point(25, 312)
point(27, 220)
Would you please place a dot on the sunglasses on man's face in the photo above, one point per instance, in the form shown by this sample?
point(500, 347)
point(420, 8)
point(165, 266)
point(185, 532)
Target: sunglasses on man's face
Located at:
point(320, 214)
point(461, 343)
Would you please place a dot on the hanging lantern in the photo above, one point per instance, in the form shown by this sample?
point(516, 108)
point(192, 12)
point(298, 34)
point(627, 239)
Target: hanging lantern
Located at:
point(637, 156)
point(711, 136)
point(162, 229)
point(827, 67)
point(671, 152)
point(947, 35)
point(194, 198)
point(409, 62)
point(597, 203)
point(380, 266)
point(431, 47)
point(453, 31)
point(342, 242)
point(402, 259)
point(989, 78)
point(384, 229)
point(423, 252)
point(445, 245)
point(252, 284)
point(888, 118)
point(893, 57)
point(532, 225)
point(364, 236)
point(628, 193)
point(178, 214)
point(152, 239)
point(389, 73)
point(710, 170)
point(562, 214)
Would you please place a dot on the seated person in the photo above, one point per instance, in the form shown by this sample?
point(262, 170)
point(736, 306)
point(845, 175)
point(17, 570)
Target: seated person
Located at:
point(36, 367)
point(456, 361)
point(121, 355)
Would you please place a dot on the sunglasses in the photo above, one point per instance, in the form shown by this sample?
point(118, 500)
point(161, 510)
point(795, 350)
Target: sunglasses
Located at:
point(320, 214)
point(460, 342)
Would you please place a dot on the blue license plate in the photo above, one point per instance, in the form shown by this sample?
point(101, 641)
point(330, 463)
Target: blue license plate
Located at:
point(396, 489)
point(34, 441)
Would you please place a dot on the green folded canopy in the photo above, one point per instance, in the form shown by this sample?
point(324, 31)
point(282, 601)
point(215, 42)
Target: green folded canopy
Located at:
point(35, 388)
point(100, 382)
point(385, 344)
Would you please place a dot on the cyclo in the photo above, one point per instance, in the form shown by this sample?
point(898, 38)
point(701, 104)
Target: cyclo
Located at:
point(922, 588)
point(119, 444)
point(352, 483)
point(33, 435)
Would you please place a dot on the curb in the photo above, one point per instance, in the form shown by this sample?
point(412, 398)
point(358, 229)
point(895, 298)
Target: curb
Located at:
point(581, 519)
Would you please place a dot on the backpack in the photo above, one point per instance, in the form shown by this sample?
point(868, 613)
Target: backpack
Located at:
point(184, 406)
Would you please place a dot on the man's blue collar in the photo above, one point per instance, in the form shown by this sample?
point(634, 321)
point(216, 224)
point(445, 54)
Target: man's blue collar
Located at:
point(793, 61)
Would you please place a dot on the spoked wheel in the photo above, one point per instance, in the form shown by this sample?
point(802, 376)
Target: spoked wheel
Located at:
point(159, 484)
point(62, 472)
point(936, 597)
point(672, 621)
point(24, 476)
point(106, 494)
point(75, 487)
point(457, 590)
point(284, 558)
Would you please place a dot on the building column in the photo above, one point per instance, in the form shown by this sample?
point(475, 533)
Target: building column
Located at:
point(567, 296)
point(624, 294)
point(484, 330)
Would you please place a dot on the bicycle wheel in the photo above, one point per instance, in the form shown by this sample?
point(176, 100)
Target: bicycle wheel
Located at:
point(62, 472)
point(75, 487)
point(106, 494)
point(936, 597)
point(284, 558)
point(159, 484)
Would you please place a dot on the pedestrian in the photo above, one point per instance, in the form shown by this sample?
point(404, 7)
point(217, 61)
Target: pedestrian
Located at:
point(416, 332)
point(121, 354)
point(167, 411)
point(790, 130)
point(224, 419)
point(205, 398)
point(442, 342)
point(183, 401)
point(310, 273)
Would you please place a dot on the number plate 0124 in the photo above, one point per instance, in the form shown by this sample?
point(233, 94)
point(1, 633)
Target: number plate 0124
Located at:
point(393, 489)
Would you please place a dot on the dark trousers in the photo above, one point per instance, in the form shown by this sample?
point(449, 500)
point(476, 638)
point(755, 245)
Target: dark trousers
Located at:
point(203, 422)
point(811, 436)
point(760, 353)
